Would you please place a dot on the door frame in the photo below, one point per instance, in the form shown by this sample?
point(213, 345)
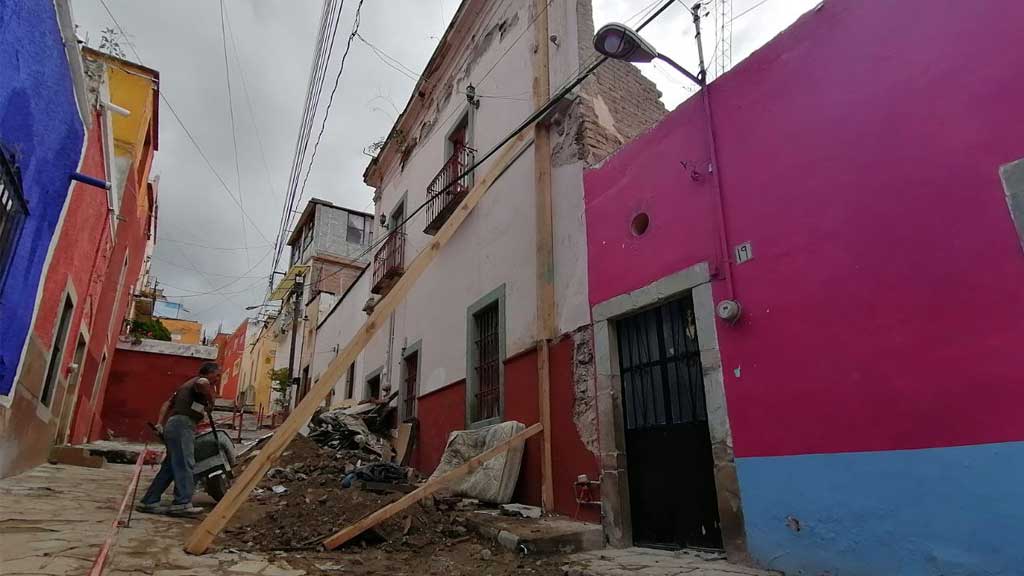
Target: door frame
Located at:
point(615, 503)
point(71, 389)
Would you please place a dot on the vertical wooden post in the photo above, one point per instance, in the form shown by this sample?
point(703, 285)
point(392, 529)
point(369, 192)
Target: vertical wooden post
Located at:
point(545, 243)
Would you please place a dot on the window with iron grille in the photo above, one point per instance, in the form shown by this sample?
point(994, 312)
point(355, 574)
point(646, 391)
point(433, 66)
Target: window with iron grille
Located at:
point(410, 384)
point(487, 362)
point(485, 356)
point(12, 212)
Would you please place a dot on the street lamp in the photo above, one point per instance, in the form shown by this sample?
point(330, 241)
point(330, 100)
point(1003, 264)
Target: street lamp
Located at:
point(620, 42)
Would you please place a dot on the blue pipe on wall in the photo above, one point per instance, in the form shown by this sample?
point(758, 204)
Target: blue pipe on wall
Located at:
point(79, 177)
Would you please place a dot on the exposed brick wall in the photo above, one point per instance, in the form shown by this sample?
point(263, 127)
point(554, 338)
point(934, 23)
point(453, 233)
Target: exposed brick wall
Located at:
point(617, 103)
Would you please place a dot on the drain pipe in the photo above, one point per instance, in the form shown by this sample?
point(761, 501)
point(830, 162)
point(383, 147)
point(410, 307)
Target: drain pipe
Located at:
point(726, 312)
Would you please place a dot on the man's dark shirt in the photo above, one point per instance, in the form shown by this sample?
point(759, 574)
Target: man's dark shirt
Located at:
point(193, 399)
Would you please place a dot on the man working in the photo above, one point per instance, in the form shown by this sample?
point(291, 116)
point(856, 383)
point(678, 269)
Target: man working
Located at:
point(178, 418)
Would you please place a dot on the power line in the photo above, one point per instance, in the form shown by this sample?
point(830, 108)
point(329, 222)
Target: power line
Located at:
point(230, 111)
point(217, 274)
point(747, 11)
point(181, 123)
point(248, 101)
point(566, 88)
point(329, 19)
point(195, 294)
point(218, 248)
point(330, 100)
point(389, 60)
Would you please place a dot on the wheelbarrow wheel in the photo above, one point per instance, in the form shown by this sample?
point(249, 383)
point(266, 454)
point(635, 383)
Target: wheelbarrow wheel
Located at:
point(217, 486)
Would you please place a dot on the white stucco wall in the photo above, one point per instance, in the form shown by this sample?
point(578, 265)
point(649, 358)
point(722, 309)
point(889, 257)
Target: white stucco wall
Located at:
point(336, 331)
point(496, 245)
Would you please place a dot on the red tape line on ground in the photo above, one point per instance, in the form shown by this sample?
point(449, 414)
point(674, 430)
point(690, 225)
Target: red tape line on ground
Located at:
point(101, 558)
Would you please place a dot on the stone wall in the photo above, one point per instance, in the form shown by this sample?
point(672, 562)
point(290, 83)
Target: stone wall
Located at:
point(616, 104)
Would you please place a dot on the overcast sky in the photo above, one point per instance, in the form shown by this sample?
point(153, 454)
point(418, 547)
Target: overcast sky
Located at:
point(209, 256)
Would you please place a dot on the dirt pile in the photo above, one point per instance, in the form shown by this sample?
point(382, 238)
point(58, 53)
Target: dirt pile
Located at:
point(314, 505)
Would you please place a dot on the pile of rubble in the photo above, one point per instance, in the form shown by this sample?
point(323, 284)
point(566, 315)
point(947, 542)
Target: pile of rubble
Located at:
point(344, 469)
point(340, 429)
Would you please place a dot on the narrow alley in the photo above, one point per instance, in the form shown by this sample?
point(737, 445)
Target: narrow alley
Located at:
point(496, 287)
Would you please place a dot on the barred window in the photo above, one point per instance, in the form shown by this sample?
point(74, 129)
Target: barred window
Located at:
point(12, 212)
point(487, 363)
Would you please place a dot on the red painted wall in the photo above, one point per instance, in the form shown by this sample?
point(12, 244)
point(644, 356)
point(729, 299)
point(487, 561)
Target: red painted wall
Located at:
point(859, 155)
point(82, 237)
point(444, 410)
point(112, 299)
point(139, 383)
point(439, 412)
point(229, 356)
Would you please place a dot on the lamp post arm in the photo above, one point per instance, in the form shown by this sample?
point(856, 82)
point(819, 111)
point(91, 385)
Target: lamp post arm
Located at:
point(681, 70)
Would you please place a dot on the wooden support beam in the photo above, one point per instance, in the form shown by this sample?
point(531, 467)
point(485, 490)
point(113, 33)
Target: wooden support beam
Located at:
point(427, 489)
point(546, 328)
point(202, 536)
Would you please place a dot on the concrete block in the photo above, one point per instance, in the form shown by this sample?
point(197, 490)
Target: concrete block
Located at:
point(508, 540)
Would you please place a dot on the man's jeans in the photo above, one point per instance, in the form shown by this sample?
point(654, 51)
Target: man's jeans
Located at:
point(178, 464)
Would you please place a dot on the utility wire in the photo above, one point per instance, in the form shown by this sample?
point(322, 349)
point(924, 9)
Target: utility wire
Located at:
point(231, 113)
point(217, 274)
point(207, 247)
point(184, 128)
point(312, 92)
point(566, 88)
point(389, 60)
point(318, 69)
point(330, 101)
point(248, 101)
point(747, 11)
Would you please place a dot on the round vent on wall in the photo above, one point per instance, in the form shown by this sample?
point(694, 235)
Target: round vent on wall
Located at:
point(640, 224)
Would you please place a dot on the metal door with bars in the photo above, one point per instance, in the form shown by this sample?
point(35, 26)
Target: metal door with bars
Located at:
point(668, 444)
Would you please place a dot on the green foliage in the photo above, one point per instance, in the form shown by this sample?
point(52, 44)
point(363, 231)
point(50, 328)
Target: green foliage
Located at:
point(152, 329)
point(281, 384)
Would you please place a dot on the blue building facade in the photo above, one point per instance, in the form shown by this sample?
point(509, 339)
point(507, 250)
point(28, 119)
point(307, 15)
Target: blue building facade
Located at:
point(41, 142)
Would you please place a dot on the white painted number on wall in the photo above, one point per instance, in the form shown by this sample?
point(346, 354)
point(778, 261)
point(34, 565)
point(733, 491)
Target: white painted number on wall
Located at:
point(743, 252)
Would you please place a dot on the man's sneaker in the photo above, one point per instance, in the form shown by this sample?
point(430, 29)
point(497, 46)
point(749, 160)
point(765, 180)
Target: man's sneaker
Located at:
point(151, 508)
point(186, 510)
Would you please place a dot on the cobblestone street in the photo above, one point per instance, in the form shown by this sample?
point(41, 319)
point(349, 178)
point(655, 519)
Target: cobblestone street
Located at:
point(54, 519)
point(648, 562)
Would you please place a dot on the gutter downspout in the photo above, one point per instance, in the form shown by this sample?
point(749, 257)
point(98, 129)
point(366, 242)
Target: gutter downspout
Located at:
point(724, 262)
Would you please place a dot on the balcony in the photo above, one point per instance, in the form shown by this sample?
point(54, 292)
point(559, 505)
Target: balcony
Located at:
point(448, 189)
point(389, 263)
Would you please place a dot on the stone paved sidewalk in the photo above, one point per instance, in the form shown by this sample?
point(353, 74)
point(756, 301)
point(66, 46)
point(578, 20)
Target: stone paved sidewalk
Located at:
point(647, 562)
point(53, 520)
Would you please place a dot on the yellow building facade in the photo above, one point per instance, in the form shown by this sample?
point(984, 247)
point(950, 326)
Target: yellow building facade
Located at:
point(257, 362)
point(183, 331)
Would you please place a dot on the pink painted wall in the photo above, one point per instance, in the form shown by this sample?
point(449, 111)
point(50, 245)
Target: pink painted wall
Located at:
point(859, 153)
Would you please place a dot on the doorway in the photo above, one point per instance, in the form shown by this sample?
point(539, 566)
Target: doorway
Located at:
point(670, 466)
point(70, 402)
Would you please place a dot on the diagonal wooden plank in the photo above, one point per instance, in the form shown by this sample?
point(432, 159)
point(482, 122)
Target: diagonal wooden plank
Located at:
point(202, 536)
point(427, 489)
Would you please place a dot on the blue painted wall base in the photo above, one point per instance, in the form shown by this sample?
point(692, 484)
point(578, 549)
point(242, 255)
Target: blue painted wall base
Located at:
point(944, 511)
